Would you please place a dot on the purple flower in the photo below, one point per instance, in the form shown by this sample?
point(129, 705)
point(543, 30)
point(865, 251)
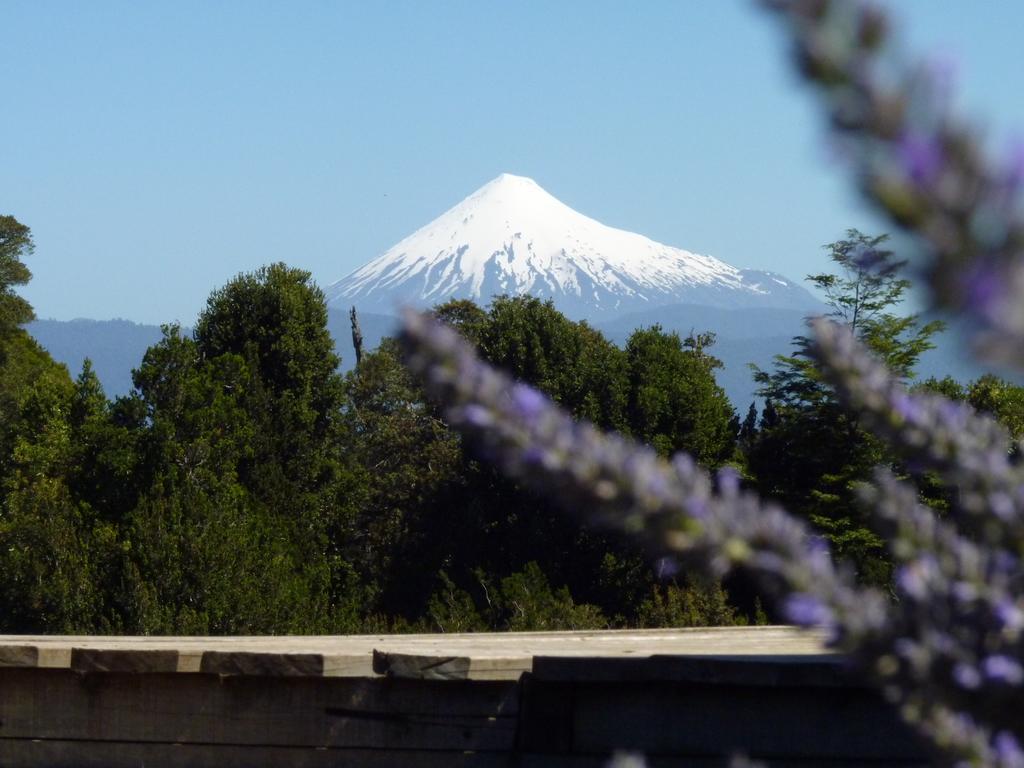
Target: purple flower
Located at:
point(868, 259)
point(911, 581)
point(921, 156)
point(477, 415)
point(806, 610)
point(914, 578)
point(906, 406)
point(528, 402)
point(966, 676)
point(984, 290)
point(666, 567)
point(1002, 506)
point(969, 451)
point(534, 455)
point(1014, 164)
point(728, 481)
point(697, 508)
point(1008, 750)
point(1010, 616)
point(964, 592)
point(942, 71)
point(1003, 669)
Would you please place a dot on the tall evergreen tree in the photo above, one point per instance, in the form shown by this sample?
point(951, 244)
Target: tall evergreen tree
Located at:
point(54, 551)
point(15, 244)
point(407, 455)
point(571, 361)
point(247, 491)
point(674, 402)
point(816, 452)
point(748, 428)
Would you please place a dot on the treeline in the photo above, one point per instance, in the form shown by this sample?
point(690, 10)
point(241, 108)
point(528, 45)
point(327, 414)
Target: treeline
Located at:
point(245, 486)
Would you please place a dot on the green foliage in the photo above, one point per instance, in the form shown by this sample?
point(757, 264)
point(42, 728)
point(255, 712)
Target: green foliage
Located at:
point(868, 286)
point(451, 609)
point(465, 316)
point(475, 521)
point(208, 559)
point(15, 244)
point(691, 603)
point(674, 402)
point(276, 319)
point(990, 394)
point(52, 552)
point(946, 386)
point(245, 496)
point(432, 509)
point(862, 294)
point(571, 361)
point(269, 332)
point(55, 553)
point(528, 603)
point(406, 455)
point(1001, 399)
point(103, 468)
point(245, 486)
point(811, 453)
point(32, 387)
point(521, 602)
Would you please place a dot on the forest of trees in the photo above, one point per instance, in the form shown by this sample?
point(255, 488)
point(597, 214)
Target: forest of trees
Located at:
point(246, 486)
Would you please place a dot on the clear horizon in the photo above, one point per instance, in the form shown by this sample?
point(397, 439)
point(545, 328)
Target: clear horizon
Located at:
point(158, 151)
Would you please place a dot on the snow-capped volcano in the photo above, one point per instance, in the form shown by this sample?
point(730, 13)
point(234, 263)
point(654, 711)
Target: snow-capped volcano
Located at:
point(512, 237)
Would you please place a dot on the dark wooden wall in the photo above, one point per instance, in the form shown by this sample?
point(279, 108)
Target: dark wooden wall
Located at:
point(680, 711)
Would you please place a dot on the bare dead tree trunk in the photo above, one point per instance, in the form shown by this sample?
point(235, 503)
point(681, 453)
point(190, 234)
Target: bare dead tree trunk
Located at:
point(357, 336)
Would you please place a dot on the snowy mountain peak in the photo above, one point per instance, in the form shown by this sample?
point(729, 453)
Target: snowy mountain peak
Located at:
point(510, 184)
point(513, 237)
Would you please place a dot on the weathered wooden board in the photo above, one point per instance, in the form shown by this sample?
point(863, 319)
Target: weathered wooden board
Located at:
point(18, 753)
point(667, 718)
point(701, 761)
point(774, 671)
point(522, 700)
point(276, 711)
point(74, 754)
point(497, 656)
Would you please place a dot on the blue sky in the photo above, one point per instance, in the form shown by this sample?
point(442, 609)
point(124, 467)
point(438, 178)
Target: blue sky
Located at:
point(156, 150)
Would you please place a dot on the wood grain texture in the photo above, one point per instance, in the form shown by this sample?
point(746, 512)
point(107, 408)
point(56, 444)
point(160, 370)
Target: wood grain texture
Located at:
point(484, 656)
point(265, 664)
point(767, 671)
point(18, 753)
point(522, 700)
point(785, 723)
point(71, 754)
point(247, 711)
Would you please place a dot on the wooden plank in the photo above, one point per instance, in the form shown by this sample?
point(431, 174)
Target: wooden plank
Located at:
point(17, 753)
point(20, 753)
point(280, 711)
point(697, 719)
point(262, 664)
point(669, 761)
point(414, 667)
point(134, 660)
point(13, 655)
point(770, 671)
point(491, 655)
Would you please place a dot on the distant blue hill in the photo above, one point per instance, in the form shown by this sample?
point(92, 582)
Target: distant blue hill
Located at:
point(751, 335)
point(757, 335)
point(116, 347)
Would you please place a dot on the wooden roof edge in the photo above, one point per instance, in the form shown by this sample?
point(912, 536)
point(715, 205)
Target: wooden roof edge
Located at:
point(467, 656)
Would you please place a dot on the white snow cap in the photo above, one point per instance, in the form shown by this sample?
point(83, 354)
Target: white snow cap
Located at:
point(511, 236)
